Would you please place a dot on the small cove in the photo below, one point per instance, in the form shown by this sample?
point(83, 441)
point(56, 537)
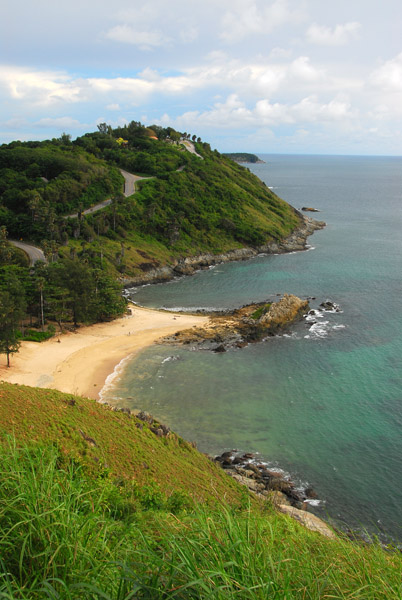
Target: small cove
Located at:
point(324, 403)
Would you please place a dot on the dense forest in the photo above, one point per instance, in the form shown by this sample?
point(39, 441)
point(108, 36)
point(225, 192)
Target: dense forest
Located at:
point(190, 199)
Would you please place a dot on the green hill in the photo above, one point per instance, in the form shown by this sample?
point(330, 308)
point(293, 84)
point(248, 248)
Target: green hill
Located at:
point(243, 157)
point(191, 203)
point(193, 200)
point(96, 504)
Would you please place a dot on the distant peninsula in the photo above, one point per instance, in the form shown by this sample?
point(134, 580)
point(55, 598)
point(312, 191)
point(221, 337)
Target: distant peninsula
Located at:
point(243, 157)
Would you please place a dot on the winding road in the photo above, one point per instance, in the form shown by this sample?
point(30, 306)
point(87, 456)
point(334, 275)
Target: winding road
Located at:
point(35, 254)
point(129, 189)
point(129, 182)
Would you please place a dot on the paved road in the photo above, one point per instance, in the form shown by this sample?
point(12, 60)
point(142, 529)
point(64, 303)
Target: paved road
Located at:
point(189, 146)
point(129, 189)
point(34, 253)
point(93, 209)
point(130, 181)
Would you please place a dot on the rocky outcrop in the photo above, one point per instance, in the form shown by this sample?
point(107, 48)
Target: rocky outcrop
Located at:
point(296, 241)
point(276, 486)
point(264, 481)
point(239, 327)
point(307, 520)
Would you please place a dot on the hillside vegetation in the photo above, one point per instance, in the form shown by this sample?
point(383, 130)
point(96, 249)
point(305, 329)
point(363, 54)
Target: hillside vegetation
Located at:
point(96, 504)
point(193, 200)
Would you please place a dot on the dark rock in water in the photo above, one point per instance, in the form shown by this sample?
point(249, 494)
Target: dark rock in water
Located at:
point(263, 481)
point(310, 493)
point(220, 348)
point(225, 455)
point(328, 305)
point(280, 485)
point(309, 209)
point(274, 474)
point(255, 470)
point(183, 269)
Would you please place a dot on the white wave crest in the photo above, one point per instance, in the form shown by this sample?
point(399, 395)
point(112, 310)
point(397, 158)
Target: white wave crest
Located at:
point(113, 378)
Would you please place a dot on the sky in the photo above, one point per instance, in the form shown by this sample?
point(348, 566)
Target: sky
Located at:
point(264, 76)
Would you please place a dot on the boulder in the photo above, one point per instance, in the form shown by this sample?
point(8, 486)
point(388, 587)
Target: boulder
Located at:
point(307, 520)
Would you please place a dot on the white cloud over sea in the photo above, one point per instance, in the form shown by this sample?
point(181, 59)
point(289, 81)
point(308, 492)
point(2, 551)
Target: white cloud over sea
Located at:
point(262, 75)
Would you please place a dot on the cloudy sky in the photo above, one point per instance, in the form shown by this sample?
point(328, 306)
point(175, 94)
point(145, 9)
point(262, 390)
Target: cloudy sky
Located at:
point(275, 76)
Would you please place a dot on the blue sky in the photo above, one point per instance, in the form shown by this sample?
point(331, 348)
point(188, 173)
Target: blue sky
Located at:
point(275, 76)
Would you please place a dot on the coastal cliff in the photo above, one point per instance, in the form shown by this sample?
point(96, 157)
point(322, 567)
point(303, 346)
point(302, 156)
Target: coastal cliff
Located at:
point(294, 242)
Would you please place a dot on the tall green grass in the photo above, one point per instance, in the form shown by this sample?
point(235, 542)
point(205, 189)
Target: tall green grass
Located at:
point(66, 536)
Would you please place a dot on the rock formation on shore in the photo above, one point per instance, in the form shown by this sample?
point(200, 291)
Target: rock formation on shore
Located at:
point(275, 485)
point(249, 323)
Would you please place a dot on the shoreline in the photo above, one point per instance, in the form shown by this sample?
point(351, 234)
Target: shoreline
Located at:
point(296, 241)
point(83, 360)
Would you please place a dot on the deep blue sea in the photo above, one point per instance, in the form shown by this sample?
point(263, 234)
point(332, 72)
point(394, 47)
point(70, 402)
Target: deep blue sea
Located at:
point(324, 403)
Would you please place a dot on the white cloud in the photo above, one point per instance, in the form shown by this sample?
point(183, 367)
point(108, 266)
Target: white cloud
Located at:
point(43, 87)
point(234, 113)
point(278, 53)
point(60, 122)
point(251, 17)
point(389, 75)
point(188, 34)
point(336, 36)
point(145, 40)
point(114, 106)
point(311, 110)
point(301, 68)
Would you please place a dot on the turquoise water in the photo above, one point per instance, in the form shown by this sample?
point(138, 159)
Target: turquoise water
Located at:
point(326, 402)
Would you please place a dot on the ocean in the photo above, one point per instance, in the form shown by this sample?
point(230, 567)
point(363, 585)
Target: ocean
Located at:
point(324, 401)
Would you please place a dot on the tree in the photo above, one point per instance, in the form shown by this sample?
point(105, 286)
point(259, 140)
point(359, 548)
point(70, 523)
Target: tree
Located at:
point(12, 311)
point(5, 248)
point(41, 285)
point(102, 127)
point(77, 281)
point(116, 200)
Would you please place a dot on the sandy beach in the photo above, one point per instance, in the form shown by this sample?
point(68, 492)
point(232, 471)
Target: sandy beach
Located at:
point(82, 360)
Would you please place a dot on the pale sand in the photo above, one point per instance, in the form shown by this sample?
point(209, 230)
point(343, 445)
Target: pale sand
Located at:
point(81, 361)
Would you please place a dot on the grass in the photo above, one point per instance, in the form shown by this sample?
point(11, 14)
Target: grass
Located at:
point(33, 335)
point(125, 445)
point(65, 535)
point(260, 311)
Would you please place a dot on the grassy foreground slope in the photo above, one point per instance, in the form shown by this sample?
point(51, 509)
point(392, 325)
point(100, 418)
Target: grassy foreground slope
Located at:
point(93, 506)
